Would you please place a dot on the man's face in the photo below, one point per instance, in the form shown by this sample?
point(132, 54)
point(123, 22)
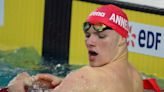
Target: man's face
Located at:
point(102, 46)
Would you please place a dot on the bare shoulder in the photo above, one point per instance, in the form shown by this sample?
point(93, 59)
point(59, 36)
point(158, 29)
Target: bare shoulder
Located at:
point(83, 75)
point(89, 79)
point(77, 81)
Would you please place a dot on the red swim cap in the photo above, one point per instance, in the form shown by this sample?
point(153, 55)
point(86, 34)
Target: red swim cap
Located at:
point(112, 16)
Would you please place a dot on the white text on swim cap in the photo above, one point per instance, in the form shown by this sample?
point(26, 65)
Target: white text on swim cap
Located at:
point(119, 20)
point(100, 14)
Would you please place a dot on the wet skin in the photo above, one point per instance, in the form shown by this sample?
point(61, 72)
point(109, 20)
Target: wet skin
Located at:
point(108, 69)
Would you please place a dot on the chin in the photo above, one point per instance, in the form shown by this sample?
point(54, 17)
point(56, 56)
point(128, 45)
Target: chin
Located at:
point(95, 65)
point(92, 64)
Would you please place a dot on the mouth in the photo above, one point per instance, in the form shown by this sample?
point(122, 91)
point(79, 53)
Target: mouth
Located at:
point(93, 53)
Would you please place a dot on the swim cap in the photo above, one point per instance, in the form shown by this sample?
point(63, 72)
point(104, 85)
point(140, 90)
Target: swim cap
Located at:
point(112, 16)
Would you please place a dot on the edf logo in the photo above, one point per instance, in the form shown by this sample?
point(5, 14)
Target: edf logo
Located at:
point(146, 39)
point(149, 39)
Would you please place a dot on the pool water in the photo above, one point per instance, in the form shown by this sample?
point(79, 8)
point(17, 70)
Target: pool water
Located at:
point(8, 72)
point(27, 59)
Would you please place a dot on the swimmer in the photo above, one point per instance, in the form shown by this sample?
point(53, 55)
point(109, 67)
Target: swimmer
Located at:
point(106, 31)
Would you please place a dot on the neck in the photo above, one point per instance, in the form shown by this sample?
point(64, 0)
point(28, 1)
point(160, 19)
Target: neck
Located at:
point(122, 54)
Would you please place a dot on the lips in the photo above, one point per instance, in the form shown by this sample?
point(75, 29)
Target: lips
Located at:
point(92, 55)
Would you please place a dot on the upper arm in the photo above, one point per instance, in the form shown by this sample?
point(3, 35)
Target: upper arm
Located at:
point(82, 80)
point(88, 81)
point(74, 82)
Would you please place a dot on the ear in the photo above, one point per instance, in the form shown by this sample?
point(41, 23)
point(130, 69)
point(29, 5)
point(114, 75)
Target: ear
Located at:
point(122, 41)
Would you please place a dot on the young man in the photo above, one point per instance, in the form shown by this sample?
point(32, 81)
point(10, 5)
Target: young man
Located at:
point(106, 30)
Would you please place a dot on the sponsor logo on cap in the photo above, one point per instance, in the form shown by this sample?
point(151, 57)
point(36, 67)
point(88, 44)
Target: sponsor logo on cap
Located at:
point(119, 20)
point(100, 14)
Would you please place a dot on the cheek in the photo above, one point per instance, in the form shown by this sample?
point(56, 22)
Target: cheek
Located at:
point(108, 48)
point(107, 45)
point(105, 48)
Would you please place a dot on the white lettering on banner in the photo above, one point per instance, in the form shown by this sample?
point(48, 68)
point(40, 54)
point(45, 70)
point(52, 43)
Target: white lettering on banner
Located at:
point(146, 39)
point(100, 14)
point(119, 20)
point(1, 12)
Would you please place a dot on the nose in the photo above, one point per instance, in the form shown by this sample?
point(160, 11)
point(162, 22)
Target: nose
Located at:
point(91, 41)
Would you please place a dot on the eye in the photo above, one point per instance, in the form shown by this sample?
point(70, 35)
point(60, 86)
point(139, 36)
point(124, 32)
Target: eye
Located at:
point(87, 35)
point(101, 36)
